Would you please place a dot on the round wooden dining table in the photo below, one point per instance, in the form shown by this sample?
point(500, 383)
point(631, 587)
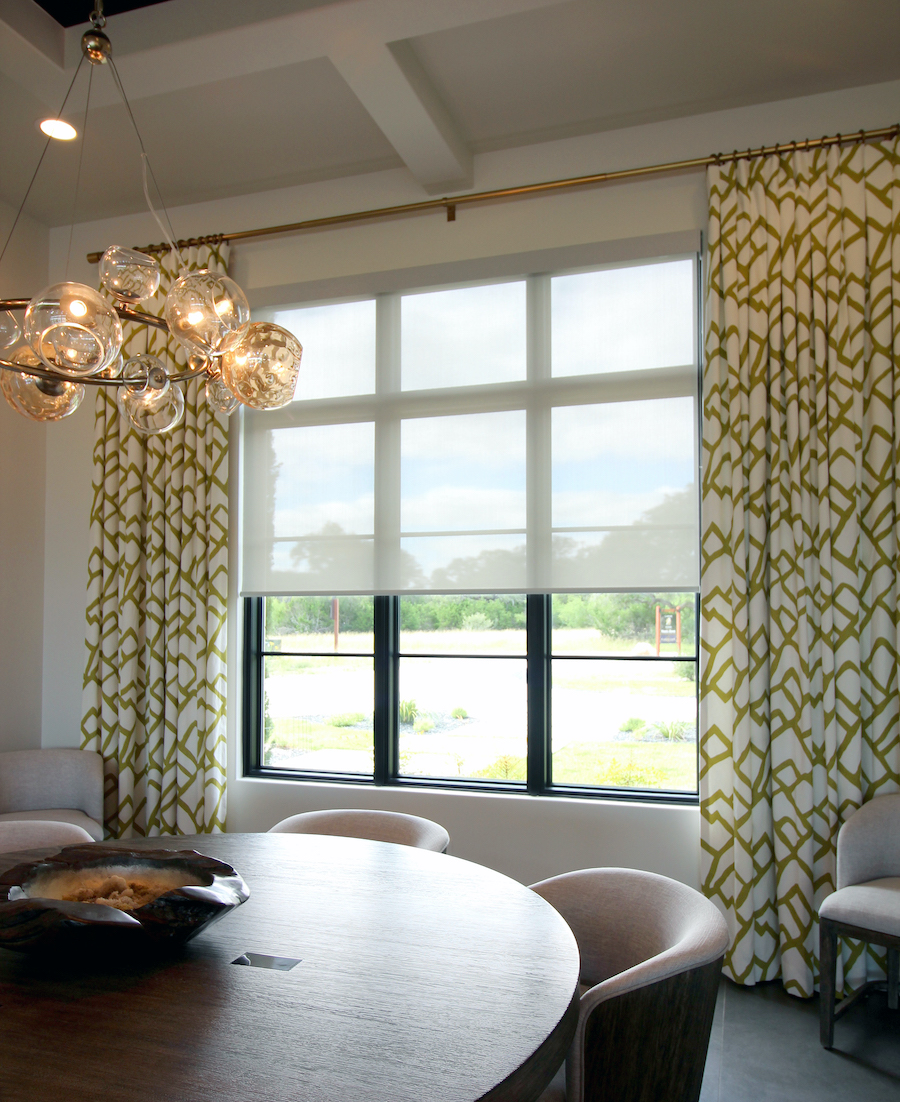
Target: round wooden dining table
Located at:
point(419, 977)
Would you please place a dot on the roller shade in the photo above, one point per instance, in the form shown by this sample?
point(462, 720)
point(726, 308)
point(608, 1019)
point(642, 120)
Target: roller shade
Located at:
point(536, 434)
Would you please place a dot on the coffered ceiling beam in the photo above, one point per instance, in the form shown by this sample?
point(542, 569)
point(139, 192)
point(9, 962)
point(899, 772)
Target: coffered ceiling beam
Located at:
point(366, 40)
point(32, 50)
point(389, 82)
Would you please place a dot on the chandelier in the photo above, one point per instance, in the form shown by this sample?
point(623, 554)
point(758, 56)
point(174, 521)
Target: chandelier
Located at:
point(70, 335)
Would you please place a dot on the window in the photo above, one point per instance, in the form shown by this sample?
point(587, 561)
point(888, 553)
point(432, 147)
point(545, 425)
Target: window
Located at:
point(470, 546)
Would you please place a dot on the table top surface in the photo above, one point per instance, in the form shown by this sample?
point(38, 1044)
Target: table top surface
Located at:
point(422, 978)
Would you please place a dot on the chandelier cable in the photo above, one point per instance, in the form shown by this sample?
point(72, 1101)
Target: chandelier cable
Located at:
point(87, 104)
point(72, 337)
point(15, 223)
point(169, 233)
point(145, 168)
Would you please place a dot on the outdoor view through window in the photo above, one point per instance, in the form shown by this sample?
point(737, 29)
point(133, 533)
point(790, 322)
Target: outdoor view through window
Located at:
point(470, 545)
point(621, 716)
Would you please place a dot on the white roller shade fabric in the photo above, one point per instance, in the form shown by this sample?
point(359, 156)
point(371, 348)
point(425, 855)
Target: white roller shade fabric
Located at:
point(526, 435)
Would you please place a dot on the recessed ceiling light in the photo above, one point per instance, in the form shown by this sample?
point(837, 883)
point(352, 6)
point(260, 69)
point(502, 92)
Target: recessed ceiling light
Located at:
point(56, 128)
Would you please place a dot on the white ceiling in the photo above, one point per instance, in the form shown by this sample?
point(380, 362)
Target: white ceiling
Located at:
point(233, 96)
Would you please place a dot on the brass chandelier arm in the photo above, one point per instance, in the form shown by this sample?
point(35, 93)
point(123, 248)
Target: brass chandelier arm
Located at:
point(56, 377)
point(73, 337)
point(124, 312)
point(91, 380)
point(450, 203)
point(186, 376)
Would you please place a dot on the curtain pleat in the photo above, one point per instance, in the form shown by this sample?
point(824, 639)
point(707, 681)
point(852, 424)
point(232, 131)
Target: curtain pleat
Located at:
point(154, 684)
point(801, 422)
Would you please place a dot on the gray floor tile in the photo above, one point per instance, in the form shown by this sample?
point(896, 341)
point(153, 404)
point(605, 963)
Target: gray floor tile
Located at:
point(710, 1091)
point(768, 1050)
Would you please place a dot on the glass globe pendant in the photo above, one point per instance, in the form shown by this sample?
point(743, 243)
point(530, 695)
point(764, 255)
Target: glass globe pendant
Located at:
point(114, 370)
point(71, 335)
point(260, 365)
point(36, 398)
point(9, 329)
point(203, 309)
point(148, 401)
point(219, 397)
point(73, 329)
point(128, 275)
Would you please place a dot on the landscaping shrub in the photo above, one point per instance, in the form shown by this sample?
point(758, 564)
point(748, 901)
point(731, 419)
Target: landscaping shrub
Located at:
point(506, 768)
point(477, 621)
point(626, 772)
point(634, 724)
point(268, 732)
point(347, 719)
point(672, 730)
point(408, 711)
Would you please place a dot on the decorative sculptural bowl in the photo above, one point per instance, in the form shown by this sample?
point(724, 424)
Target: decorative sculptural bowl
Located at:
point(161, 897)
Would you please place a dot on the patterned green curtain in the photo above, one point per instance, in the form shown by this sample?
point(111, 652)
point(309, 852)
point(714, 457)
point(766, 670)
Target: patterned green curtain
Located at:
point(801, 529)
point(154, 683)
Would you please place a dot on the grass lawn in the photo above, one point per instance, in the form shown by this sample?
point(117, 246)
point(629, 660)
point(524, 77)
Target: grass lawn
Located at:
point(589, 641)
point(569, 641)
point(290, 733)
point(341, 694)
point(657, 765)
point(668, 765)
point(278, 663)
point(605, 677)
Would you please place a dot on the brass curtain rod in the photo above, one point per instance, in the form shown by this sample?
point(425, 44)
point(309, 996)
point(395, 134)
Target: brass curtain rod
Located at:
point(450, 204)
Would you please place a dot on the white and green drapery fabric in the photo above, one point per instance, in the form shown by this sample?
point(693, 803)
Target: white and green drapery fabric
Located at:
point(801, 539)
point(154, 683)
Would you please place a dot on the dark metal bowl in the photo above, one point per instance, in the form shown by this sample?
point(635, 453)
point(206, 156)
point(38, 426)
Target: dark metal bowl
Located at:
point(202, 890)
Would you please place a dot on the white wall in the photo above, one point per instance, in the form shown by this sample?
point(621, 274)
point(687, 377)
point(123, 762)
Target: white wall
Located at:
point(524, 836)
point(22, 484)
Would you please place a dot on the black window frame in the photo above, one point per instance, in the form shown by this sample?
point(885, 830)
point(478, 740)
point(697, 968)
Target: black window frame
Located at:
point(386, 720)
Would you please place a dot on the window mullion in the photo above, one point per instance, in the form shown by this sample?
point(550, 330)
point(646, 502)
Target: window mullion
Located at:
point(538, 629)
point(387, 447)
point(387, 539)
point(386, 719)
point(538, 455)
point(252, 703)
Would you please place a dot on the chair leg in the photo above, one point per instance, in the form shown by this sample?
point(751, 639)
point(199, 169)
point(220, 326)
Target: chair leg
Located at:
point(893, 977)
point(827, 977)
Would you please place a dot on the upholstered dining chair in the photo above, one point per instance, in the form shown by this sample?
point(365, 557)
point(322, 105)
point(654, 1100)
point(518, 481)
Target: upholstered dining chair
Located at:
point(38, 834)
point(651, 957)
point(865, 905)
point(380, 826)
point(62, 785)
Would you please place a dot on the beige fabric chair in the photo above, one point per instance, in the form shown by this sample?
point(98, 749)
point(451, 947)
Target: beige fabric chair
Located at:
point(39, 834)
point(380, 826)
point(63, 786)
point(866, 904)
point(651, 958)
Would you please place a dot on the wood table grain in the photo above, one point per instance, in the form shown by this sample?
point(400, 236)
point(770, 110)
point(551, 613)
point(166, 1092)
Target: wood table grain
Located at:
point(422, 978)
